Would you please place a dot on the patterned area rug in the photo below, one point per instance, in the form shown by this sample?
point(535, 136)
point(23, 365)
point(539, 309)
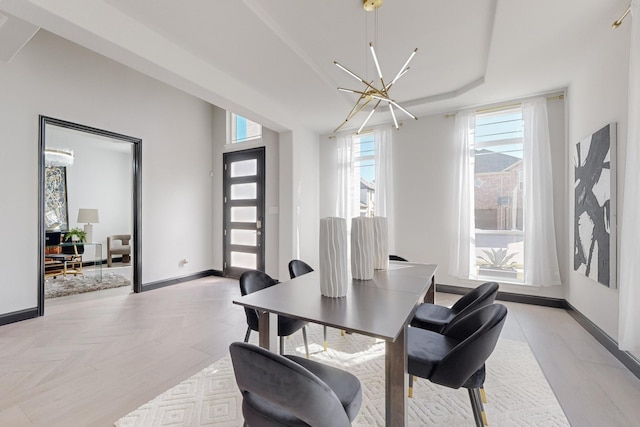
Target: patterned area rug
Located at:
point(62, 286)
point(517, 392)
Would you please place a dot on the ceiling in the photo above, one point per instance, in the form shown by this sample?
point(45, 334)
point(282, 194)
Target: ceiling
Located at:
point(272, 61)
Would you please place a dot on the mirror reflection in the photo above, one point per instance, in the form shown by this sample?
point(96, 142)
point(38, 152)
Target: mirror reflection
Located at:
point(88, 212)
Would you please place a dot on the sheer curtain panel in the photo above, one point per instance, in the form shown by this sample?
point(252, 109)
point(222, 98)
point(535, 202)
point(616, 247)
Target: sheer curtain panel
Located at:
point(462, 256)
point(347, 200)
point(629, 282)
point(384, 180)
point(540, 255)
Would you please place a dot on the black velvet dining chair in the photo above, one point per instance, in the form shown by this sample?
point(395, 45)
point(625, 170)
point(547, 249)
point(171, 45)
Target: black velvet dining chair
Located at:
point(435, 317)
point(298, 268)
point(397, 258)
point(293, 391)
point(254, 280)
point(456, 357)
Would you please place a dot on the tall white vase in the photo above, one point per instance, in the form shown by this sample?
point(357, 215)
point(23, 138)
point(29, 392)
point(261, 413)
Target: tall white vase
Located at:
point(334, 272)
point(362, 248)
point(380, 243)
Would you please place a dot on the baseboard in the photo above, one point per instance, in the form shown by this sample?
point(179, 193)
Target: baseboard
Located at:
point(509, 296)
point(626, 358)
point(17, 316)
point(169, 282)
point(217, 273)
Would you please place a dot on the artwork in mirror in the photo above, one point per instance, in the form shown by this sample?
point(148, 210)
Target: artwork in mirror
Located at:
point(595, 206)
point(56, 215)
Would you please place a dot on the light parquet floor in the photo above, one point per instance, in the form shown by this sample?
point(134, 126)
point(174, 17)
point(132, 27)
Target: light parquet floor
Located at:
point(89, 361)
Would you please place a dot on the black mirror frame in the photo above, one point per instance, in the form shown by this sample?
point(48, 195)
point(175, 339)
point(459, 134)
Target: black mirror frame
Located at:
point(137, 198)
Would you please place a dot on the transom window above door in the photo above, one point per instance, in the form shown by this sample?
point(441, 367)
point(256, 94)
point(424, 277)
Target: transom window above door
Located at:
point(243, 129)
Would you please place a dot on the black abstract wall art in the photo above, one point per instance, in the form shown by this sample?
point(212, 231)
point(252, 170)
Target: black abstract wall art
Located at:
point(595, 206)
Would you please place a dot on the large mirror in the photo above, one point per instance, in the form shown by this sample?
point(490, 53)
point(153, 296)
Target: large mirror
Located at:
point(89, 210)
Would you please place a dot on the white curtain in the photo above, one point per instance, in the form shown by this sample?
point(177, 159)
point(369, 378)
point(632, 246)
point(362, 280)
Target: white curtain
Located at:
point(348, 185)
point(629, 283)
point(384, 179)
point(462, 256)
point(540, 255)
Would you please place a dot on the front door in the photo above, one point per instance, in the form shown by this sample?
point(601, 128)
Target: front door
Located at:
point(243, 211)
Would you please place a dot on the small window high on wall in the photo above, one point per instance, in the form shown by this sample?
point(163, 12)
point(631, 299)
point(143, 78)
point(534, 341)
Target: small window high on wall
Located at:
point(243, 129)
point(497, 165)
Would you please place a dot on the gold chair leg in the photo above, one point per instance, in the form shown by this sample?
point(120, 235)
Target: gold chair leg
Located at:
point(324, 330)
point(481, 404)
point(341, 332)
point(411, 378)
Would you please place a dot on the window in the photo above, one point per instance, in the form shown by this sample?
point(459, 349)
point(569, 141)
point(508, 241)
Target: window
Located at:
point(243, 129)
point(497, 195)
point(364, 162)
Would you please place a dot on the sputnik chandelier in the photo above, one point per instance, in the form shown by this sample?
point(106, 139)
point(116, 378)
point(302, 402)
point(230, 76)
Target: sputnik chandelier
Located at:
point(371, 92)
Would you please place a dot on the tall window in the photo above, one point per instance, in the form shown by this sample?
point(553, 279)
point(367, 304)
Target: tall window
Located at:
point(365, 177)
point(364, 162)
point(243, 129)
point(497, 167)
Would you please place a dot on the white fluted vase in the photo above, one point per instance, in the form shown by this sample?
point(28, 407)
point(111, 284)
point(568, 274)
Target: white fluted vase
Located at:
point(334, 271)
point(380, 243)
point(362, 248)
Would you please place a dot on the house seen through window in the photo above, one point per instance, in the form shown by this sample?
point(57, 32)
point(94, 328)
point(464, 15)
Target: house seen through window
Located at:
point(498, 195)
point(243, 129)
point(365, 172)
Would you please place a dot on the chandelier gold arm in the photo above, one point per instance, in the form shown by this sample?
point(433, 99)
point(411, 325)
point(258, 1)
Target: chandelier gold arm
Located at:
point(375, 60)
point(395, 104)
point(355, 76)
point(368, 117)
point(353, 111)
point(405, 67)
point(393, 114)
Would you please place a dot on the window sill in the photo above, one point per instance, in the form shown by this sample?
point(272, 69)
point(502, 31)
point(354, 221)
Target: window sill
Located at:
point(237, 146)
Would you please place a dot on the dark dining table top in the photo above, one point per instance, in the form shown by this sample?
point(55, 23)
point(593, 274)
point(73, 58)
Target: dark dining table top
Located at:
point(379, 307)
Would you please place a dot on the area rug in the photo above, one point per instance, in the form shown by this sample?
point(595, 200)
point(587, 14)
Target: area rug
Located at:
point(62, 286)
point(517, 391)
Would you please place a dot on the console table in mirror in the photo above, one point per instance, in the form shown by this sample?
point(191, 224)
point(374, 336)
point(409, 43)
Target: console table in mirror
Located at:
point(66, 259)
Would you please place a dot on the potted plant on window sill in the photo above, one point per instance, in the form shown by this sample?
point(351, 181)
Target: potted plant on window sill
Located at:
point(77, 237)
point(496, 264)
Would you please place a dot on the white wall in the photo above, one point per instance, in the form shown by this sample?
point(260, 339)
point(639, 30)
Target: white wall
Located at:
point(598, 96)
point(286, 250)
point(299, 198)
point(270, 140)
point(424, 159)
point(56, 78)
point(307, 196)
point(219, 139)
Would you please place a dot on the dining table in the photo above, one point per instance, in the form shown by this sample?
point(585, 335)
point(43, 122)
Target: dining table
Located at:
point(381, 308)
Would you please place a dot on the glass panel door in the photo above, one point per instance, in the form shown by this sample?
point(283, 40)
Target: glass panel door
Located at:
point(243, 211)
